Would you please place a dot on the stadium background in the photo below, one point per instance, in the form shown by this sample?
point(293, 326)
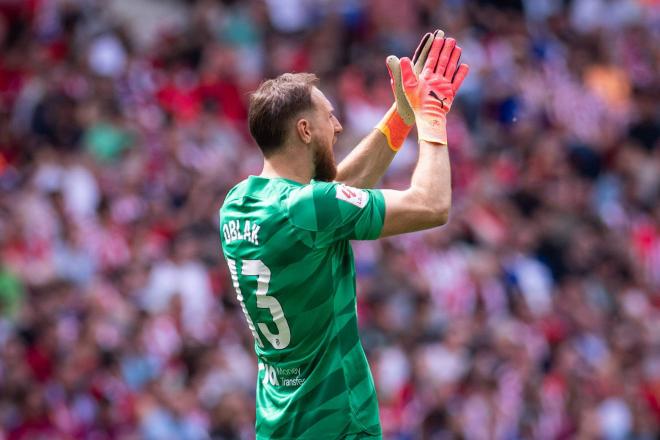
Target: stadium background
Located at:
point(535, 313)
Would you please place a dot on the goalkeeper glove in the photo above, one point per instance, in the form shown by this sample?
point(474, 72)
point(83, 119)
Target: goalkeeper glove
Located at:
point(398, 121)
point(432, 93)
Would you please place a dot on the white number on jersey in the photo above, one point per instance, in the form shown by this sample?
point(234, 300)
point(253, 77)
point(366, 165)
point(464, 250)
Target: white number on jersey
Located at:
point(262, 272)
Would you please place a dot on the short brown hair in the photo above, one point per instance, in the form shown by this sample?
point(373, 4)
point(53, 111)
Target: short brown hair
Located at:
point(274, 104)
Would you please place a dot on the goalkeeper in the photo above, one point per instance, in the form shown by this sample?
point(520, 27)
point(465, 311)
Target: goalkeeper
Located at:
point(285, 235)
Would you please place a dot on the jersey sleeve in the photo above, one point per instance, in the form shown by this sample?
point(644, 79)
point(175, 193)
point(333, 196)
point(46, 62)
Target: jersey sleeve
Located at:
point(329, 212)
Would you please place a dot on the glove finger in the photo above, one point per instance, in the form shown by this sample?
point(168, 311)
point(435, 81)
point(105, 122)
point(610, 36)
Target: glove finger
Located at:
point(453, 63)
point(443, 59)
point(392, 63)
point(434, 53)
point(427, 36)
point(408, 76)
point(423, 54)
point(459, 76)
point(439, 33)
point(402, 106)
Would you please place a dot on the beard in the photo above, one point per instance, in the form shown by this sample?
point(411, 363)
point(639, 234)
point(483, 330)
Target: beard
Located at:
point(325, 169)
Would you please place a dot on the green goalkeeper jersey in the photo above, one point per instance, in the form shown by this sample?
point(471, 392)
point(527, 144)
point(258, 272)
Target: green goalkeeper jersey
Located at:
point(291, 263)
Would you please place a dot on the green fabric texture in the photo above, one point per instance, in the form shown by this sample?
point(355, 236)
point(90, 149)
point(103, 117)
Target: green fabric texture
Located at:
point(288, 250)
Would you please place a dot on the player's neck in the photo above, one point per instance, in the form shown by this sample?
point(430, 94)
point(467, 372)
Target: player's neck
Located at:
point(292, 167)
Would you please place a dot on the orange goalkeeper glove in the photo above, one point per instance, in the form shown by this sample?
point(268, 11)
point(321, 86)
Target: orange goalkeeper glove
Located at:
point(399, 119)
point(432, 93)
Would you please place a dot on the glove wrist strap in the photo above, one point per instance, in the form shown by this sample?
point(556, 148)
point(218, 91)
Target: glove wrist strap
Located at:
point(428, 132)
point(394, 128)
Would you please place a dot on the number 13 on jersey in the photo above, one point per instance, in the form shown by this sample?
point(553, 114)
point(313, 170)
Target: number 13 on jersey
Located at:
point(262, 272)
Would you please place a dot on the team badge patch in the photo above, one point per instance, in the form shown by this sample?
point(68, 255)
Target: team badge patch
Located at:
point(354, 196)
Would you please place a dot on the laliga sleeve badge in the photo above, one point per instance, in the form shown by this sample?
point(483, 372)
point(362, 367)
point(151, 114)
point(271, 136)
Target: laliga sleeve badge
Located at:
point(354, 196)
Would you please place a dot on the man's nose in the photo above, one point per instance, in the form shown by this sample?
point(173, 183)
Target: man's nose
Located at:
point(338, 127)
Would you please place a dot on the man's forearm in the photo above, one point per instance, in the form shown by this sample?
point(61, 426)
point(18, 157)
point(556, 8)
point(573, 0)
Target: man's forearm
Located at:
point(432, 176)
point(427, 202)
point(366, 164)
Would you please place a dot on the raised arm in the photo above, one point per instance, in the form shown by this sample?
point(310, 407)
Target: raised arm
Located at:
point(427, 202)
point(367, 162)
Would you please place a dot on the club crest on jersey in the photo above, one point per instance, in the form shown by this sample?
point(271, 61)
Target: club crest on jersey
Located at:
point(354, 196)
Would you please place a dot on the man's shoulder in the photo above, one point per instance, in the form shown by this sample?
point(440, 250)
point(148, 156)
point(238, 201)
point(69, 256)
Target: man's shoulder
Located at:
point(325, 205)
point(332, 194)
point(236, 191)
point(305, 202)
point(246, 188)
point(310, 191)
point(269, 192)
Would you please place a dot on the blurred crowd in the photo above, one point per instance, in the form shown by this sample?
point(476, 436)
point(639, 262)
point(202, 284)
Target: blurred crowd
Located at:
point(535, 313)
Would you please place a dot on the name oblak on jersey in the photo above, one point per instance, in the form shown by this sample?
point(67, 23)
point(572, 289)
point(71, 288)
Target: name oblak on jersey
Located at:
point(233, 231)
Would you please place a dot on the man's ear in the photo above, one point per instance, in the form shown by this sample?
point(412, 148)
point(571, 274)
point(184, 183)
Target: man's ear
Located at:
point(304, 130)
